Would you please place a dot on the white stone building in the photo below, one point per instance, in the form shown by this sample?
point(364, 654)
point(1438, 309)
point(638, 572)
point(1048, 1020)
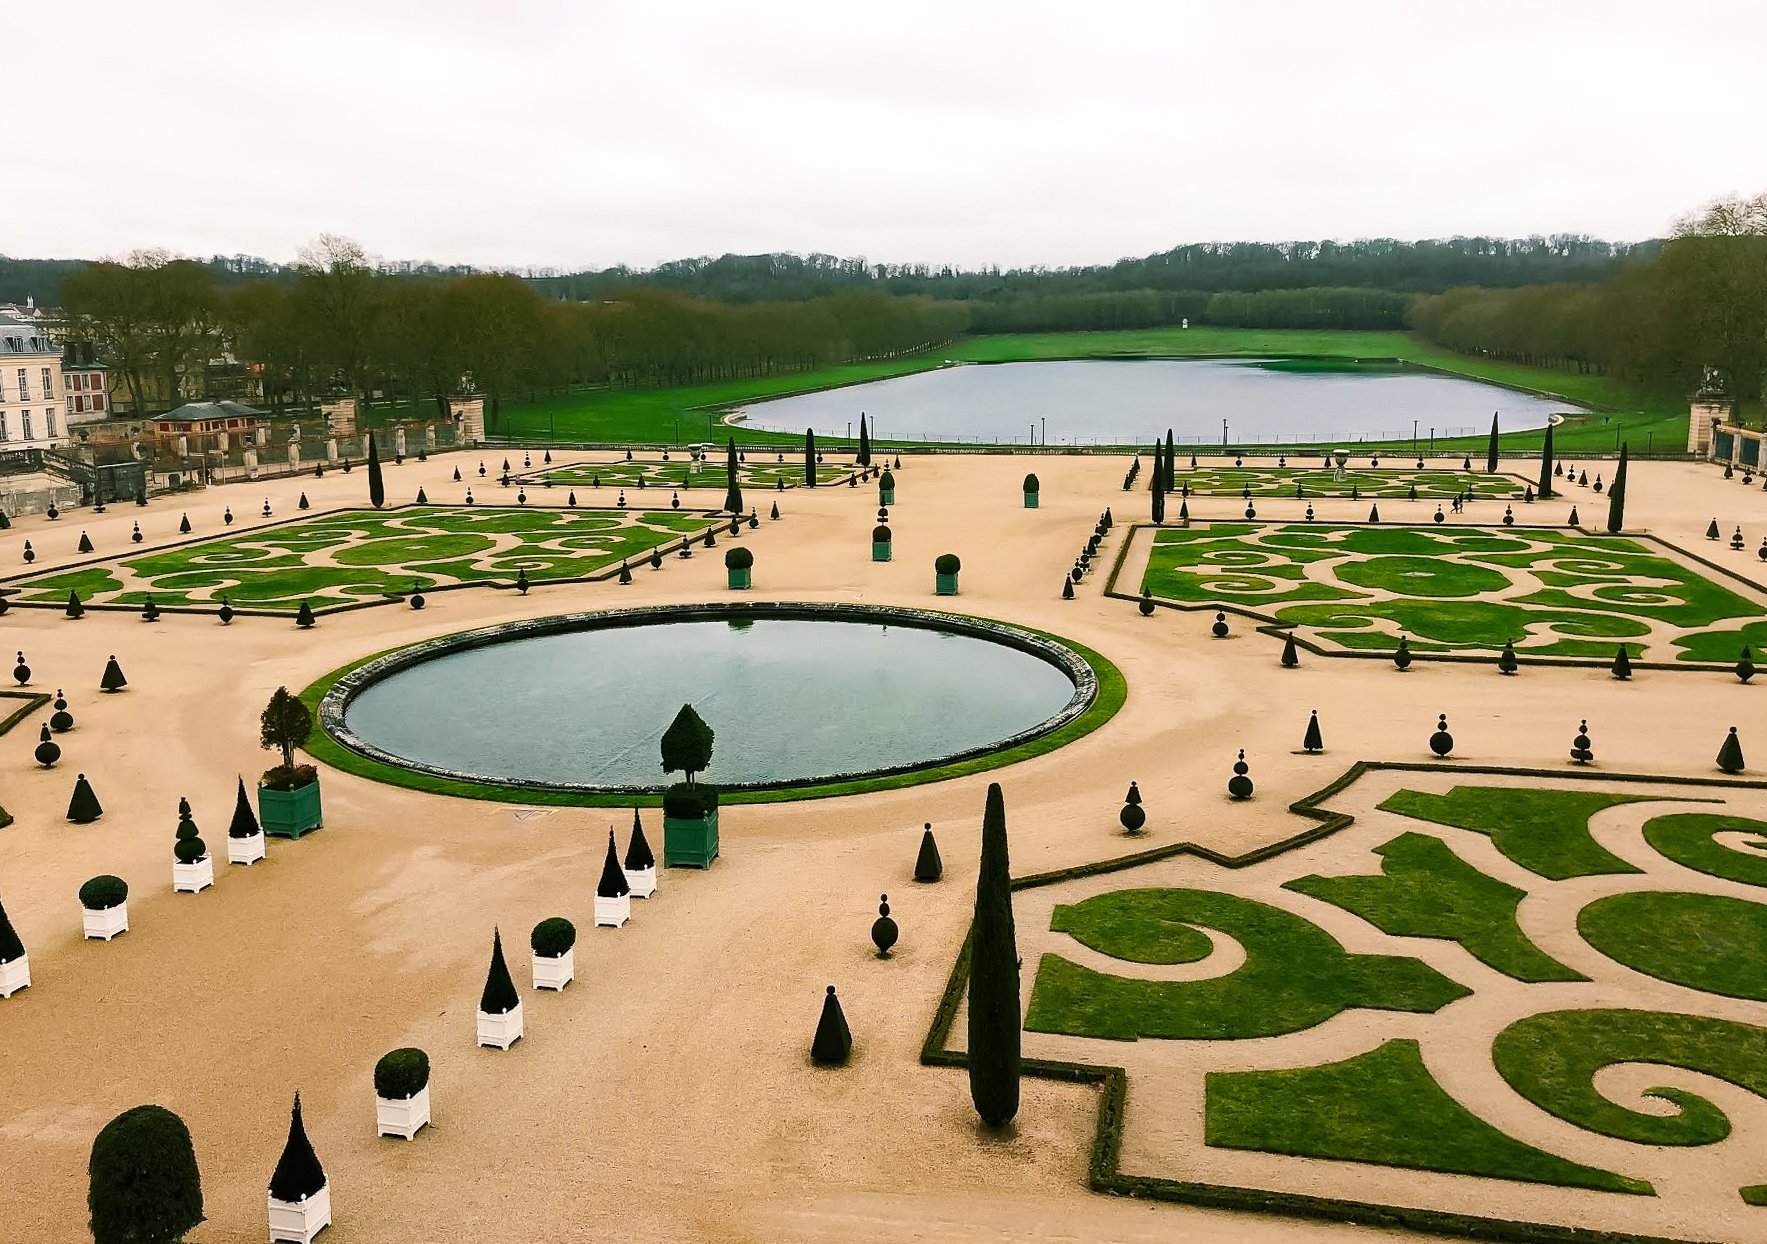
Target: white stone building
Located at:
point(32, 396)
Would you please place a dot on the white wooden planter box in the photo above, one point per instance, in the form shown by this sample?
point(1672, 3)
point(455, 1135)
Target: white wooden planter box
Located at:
point(15, 976)
point(108, 923)
point(193, 878)
point(402, 1117)
point(642, 881)
point(246, 850)
point(501, 1031)
point(300, 1220)
point(612, 912)
point(555, 973)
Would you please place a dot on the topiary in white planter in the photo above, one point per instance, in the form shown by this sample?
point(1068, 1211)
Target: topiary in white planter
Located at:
point(613, 894)
point(15, 964)
point(192, 870)
point(401, 1092)
point(554, 942)
point(640, 865)
point(500, 1007)
point(245, 837)
point(104, 901)
point(193, 878)
point(300, 1192)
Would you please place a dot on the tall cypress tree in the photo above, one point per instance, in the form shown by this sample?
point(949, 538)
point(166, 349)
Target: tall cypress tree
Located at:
point(377, 490)
point(1545, 490)
point(1491, 449)
point(864, 442)
point(993, 977)
point(809, 457)
point(1159, 494)
point(1171, 484)
point(1616, 496)
point(732, 489)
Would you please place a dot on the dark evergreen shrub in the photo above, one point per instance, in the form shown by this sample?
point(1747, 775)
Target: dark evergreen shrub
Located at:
point(143, 1186)
point(927, 865)
point(689, 801)
point(113, 679)
point(289, 777)
point(1622, 666)
point(1239, 786)
point(738, 558)
point(10, 947)
point(833, 1043)
point(883, 930)
point(1506, 662)
point(994, 1015)
point(1730, 755)
point(304, 615)
point(638, 852)
point(880, 534)
point(103, 892)
point(1031, 484)
point(74, 608)
point(188, 847)
point(48, 750)
point(499, 996)
point(285, 723)
point(83, 808)
point(1313, 742)
point(377, 492)
point(401, 1074)
point(552, 937)
point(613, 883)
point(1291, 656)
point(687, 744)
point(298, 1174)
point(947, 563)
point(245, 821)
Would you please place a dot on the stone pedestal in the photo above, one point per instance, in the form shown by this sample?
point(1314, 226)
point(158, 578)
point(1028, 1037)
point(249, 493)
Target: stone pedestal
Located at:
point(1703, 413)
point(340, 416)
point(429, 435)
point(251, 463)
point(399, 441)
point(331, 450)
point(469, 419)
point(294, 455)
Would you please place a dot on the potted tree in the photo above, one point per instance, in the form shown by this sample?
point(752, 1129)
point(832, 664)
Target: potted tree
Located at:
point(945, 568)
point(640, 865)
point(104, 901)
point(1031, 489)
point(886, 487)
point(554, 941)
point(143, 1182)
point(193, 870)
point(288, 794)
point(500, 1007)
point(401, 1092)
point(738, 562)
point(880, 543)
point(245, 837)
point(15, 964)
point(690, 811)
point(300, 1192)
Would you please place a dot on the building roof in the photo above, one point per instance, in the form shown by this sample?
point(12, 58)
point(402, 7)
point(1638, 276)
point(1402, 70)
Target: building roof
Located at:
point(196, 412)
point(20, 336)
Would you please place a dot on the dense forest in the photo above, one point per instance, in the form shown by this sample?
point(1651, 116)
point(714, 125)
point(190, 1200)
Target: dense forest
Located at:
point(1653, 315)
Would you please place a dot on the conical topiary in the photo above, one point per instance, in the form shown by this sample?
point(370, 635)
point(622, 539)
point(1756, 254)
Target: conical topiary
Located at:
point(85, 543)
point(184, 525)
point(927, 865)
point(245, 821)
point(994, 1014)
point(1441, 742)
point(1745, 668)
point(638, 852)
point(1712, 532)
point(74, 608)
point(1239, 786)
point(188, 847)
point(298, 1174)
point(883, 930)
point(1313, 742)
point(1067, 588)
point(625, 574)
point(11, 948)
point(304, 615)
point(422, 497)
point(1506, 662)
point(1581, 752)
point(1291, 656)
point(377, 492)
point(1622, 666)
point(1374, 513)
point(84, 807)
point(143, 1186)
point(613, 882)
point(1730, 755)
point(499, 996)
point(833, 1044)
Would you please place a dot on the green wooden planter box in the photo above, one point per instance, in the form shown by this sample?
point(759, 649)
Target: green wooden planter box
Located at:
point(880, 550)
point(1030, 501)
point(886, 496)
point(739, 579)
point(947, 584)
point(690, 842)
point(290, 813)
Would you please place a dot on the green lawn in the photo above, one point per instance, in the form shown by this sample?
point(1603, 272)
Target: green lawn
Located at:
point(1545, 831)
point(1703, 941)
point(679, 415)
point(1689, 838)
point(1382, 1107)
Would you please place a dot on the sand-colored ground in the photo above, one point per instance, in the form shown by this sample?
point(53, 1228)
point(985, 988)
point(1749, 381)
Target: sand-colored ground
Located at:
point(667, 1095)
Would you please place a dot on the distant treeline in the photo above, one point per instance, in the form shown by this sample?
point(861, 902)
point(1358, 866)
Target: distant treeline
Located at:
point(1700, 302)
point(1146, 308)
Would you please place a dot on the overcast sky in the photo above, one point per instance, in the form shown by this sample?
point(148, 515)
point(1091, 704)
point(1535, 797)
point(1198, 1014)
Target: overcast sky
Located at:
point(584, 133)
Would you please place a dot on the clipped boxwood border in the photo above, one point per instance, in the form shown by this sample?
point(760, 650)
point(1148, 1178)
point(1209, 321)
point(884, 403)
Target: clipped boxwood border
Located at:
point(1268, 625)
point(1100, 692)
point(1104, 1168)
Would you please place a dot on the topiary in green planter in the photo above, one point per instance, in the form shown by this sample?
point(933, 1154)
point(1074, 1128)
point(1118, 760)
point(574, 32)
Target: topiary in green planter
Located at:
point(886, 488)
point(690, 825)
point(288, 795)
point(1032, 487)
point(401, 1074)
point(880, 543)
point(737, 564)
point(945, 568)
point(144, 1187)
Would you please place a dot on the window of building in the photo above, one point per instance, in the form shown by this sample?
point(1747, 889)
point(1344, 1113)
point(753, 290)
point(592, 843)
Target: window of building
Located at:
point(98, 401)
point(49, 421)
point(70, 403)
point(48, 385)
point(24, 385)
point(24, 417)
point(4, 434)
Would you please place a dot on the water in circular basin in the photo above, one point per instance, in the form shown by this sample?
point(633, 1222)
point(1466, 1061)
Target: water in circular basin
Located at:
point(1121, 402)
point(789, 700)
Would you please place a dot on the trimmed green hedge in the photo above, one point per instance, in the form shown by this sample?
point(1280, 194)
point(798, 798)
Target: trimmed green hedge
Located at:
point(401, 1074)
point(553, 937)
point(103, 892)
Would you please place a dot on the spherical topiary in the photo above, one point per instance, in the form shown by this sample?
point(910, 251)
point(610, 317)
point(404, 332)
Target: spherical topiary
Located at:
point(401, 1074)
point(738, 558)
point(1031, 484)
point(553, 937)
point(948, 563)
point(880, 535)
point(103, 892)
point(143, 1186)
